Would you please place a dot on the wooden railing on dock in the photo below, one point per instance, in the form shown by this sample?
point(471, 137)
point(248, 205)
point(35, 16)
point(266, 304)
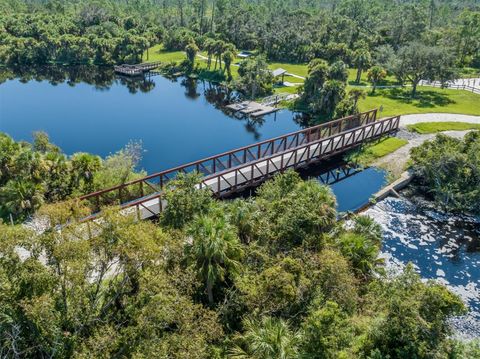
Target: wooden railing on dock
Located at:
point(222, 162)
point(134, 70)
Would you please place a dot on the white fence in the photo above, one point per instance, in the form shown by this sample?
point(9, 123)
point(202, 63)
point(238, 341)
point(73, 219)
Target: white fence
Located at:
point(472, 85)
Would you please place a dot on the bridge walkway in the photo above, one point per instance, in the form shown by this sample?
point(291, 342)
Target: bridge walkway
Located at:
point(145, 196)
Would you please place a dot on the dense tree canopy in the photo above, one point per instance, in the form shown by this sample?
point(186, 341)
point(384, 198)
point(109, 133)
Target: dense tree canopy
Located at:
point(276, 275)
point(106, 31)
point(33, 174)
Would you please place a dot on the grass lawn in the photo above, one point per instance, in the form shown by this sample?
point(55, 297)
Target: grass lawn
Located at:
point(394, 101)
point(286, 89)
point(397, 101)
point(373, 151)
point(296, 69)
point(352, 76)
point(157, 53)
point(434, 127)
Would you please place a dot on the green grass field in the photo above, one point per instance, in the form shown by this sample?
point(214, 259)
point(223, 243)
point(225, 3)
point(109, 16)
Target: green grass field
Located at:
point(373, 151)
point(157, 53)
point(397, 101)
point(434, 127)
point(394, 101)
point(296, 69)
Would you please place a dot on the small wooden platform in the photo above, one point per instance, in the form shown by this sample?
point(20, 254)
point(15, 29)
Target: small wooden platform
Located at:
point(136, 70)
point(251, 108)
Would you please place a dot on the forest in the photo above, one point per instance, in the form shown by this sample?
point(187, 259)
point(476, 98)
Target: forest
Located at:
point(105, 31)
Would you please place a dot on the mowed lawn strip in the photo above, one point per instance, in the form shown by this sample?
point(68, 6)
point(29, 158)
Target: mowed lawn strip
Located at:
point(373, 151)
point(434, 127)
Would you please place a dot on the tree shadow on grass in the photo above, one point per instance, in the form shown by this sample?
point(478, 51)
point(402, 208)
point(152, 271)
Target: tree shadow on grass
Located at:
point(423, 98)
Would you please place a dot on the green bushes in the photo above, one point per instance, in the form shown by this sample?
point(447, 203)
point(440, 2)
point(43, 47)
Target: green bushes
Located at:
point(31, 175)
point(448, 170)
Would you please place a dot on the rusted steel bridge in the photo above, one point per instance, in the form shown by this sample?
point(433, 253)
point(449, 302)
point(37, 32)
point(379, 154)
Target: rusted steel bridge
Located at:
point(136, 70)
point(236, 170)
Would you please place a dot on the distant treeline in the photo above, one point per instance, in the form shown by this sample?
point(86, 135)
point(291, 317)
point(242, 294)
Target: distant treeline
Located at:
point(106, 31)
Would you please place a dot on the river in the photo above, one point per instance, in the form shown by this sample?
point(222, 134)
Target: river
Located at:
point(177, 121)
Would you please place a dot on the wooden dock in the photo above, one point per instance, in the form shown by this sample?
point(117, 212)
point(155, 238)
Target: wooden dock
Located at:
point(136, 70)
point(252, 108)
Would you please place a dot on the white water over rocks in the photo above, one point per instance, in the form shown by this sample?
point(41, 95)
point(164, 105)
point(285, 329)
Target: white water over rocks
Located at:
point(443, 248)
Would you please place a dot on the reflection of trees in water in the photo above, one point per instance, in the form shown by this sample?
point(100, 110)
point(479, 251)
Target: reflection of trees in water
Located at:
point(303, 120)
point(252, 126)
point(190, 88)
point(220, 96)
point(101, 77)
point(135, 85)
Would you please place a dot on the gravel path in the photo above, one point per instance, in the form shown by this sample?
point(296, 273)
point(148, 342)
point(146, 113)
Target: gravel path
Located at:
point(395, 162)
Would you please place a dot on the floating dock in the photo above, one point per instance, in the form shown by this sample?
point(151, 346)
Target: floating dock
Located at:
point(252, 108)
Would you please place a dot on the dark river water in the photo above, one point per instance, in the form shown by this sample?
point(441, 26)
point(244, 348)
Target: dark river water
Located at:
point(176, 123)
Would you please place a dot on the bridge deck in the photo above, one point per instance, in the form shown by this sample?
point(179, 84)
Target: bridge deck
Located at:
point(154, 183)
point(228, 181)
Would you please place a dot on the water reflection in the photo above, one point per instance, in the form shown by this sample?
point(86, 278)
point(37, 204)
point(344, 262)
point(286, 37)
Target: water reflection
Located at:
point(90, 109)
point(353, 186)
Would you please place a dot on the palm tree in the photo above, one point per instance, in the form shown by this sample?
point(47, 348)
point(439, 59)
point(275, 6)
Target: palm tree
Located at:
point(215, 250)
point(374, 75)
point(356, 94)
point(209, 46)
point(331, 94)
point(20, 197)
point(84, 166)
point(268, 338)
point(361, 59)
point(228, 58)
point(362, 253)
point(219, 48)
point(191, 49)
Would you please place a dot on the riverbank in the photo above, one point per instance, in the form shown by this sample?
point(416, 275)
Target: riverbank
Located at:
point(441, 247)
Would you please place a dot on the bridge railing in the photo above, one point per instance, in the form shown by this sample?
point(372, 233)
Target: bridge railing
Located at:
point(258, 171)
point(222, 184)
point(148, 185)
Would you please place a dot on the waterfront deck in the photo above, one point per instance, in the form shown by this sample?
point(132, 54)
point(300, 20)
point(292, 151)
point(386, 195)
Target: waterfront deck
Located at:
point(251, 108)
point(136, 70)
